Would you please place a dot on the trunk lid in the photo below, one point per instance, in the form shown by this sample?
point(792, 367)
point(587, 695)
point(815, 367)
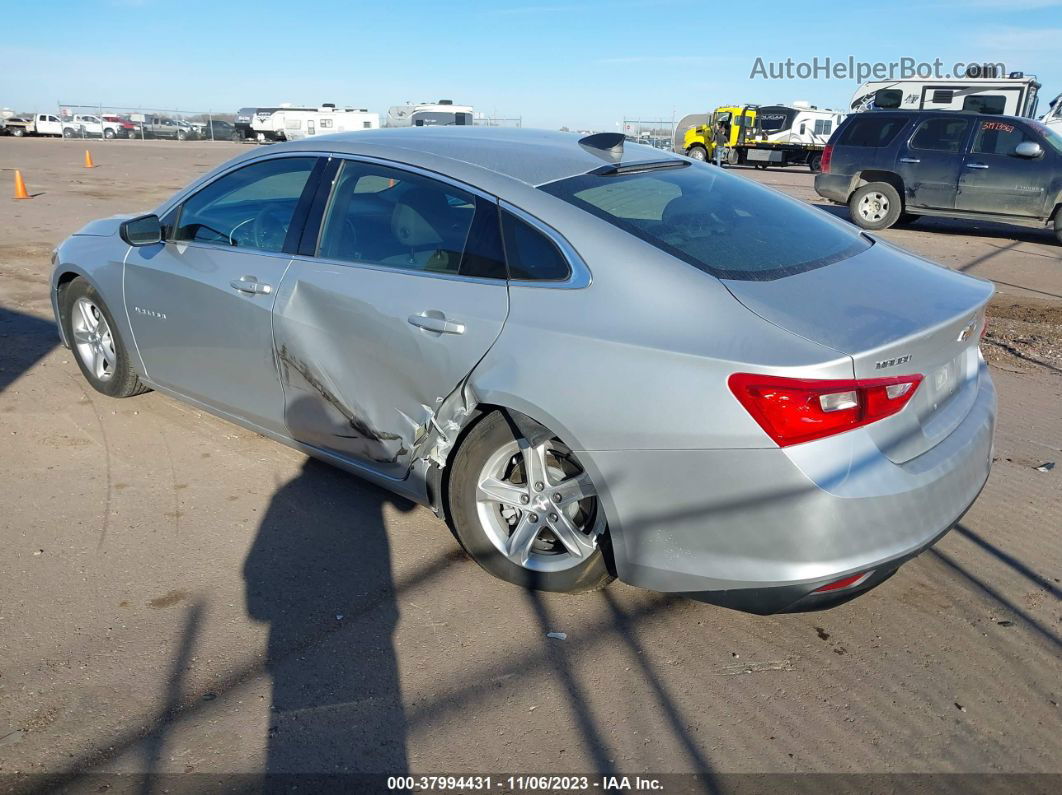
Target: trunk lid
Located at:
point(894, 314)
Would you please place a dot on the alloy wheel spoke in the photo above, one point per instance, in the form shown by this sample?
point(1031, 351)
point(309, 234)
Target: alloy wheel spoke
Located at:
point(577, 487)
point(577, 543)
point(90, 321)
point(81, 336)
point(500, 491)
point(98, 362)
point(535, 468)
point(524, 535)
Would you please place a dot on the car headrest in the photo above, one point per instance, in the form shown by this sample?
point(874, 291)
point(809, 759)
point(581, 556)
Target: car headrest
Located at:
point(417, 217)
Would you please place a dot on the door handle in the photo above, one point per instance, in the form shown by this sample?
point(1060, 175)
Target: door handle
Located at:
point(976, 165)
point(250, 284)
point(437, 323)
point(910, 160)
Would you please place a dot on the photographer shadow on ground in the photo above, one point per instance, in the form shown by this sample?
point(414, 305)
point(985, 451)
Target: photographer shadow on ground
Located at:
point(319, 574)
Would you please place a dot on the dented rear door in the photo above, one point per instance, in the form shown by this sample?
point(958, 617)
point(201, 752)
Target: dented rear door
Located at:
point(373, 332)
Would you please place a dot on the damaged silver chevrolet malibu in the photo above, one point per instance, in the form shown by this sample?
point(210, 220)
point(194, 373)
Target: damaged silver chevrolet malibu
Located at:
point(594, 359)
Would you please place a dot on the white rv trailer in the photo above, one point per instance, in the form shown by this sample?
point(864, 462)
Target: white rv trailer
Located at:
point(1015, 95)
point(294, 125)
point(427, 114)
point(797, 123)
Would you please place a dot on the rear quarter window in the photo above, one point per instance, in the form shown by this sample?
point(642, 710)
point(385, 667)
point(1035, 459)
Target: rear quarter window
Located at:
point(874, 130)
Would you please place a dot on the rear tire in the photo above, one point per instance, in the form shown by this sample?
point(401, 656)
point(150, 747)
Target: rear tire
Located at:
point(494, 505)
point(876, 205)
point(92, 333)
point(697, 152)
point(68, 132)
point(108, 134)
point(815, 164)
point(18, 132)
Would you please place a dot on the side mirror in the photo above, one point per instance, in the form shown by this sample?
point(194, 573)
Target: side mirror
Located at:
point(143, 231)
point(1029, 149)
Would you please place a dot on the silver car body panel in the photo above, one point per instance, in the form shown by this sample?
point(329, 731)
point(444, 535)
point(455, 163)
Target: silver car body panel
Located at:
point(628, 364)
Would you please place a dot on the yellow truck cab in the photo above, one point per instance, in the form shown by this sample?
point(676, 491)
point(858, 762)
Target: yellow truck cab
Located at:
point(699, 142)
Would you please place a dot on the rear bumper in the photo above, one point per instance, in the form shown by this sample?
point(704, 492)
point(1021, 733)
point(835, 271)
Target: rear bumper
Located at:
point(761, 529)
point(835, 187)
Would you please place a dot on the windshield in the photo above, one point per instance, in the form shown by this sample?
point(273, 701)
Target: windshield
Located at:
point(1050, 134)
point(725, 225)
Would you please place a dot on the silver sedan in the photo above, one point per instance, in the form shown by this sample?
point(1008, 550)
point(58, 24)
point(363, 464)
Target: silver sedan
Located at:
point(593, 359)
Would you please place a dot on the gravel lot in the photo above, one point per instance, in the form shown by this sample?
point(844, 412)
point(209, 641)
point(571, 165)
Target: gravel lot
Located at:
point(180, 595)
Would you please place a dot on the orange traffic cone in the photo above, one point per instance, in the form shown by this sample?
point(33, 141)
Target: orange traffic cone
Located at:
point(20, 186)
point(88, 160)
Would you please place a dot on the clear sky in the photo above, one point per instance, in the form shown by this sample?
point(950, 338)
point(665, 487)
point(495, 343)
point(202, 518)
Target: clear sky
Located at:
point(552, 62)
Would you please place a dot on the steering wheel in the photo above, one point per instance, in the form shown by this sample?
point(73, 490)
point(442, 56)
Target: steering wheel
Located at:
point(270, 228)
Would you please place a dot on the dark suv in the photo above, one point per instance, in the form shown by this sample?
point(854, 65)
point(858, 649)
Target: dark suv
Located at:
point(892, 166)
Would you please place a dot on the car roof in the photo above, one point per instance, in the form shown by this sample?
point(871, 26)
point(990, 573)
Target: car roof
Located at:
point(534, 157)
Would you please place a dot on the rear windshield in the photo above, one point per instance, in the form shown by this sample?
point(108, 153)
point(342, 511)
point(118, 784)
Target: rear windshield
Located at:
point(723, 224)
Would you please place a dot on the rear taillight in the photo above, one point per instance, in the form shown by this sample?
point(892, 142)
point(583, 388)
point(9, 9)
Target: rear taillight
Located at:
point(795, 410)
point(827, 155)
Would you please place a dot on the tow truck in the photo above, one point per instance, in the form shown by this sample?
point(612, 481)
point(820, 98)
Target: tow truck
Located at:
point(767, 135)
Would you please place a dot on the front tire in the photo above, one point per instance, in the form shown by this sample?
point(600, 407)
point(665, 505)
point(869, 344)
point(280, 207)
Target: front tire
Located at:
point(100, 353)
point(876, 205)
point(525, 510)
point(108, 134)
point(697, 152)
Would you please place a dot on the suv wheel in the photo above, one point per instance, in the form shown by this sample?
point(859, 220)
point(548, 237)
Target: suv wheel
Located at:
point(875, 206)
point(525, 509)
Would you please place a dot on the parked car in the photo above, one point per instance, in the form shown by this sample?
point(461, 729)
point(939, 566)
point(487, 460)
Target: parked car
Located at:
point(592, 358)
point(894, 166)
point(44, 124)
point(161, 127)
point(85, 125)
point(124, 128)
point(218, 130)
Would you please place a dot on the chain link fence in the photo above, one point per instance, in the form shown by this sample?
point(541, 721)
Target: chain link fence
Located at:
point(118, 122)
point(658, 133)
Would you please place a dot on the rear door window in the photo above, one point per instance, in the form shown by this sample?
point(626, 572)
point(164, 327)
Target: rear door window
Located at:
point(873, 129)
point(941, 135)
point(388, 217)
point(719, 223)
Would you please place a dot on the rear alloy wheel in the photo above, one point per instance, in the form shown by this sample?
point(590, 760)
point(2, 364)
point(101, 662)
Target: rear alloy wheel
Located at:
point(875, 206)
point(99, 351)
point(526, 510)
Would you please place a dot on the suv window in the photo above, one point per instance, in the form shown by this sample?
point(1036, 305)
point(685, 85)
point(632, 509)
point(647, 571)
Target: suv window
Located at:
point(385, 216)
point(998, 138)
point(985, 104)
point(248, 208)
point(531, 255)
point(940, 135)
point(873, 129)
point(722, 224)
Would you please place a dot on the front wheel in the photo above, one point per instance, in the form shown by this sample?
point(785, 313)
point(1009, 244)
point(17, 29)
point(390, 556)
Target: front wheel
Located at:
point(526, 510)
point(68, 132)
point(108, 134)
point(98, 350)
point(875, 206)
point(697, 153)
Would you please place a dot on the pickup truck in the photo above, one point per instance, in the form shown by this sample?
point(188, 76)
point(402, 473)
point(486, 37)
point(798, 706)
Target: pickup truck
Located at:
point(160, 127)
point(85, 125)
point(894, 166)
point(37, 124)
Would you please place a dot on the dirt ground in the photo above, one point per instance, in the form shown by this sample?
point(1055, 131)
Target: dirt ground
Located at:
point(179, 595)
